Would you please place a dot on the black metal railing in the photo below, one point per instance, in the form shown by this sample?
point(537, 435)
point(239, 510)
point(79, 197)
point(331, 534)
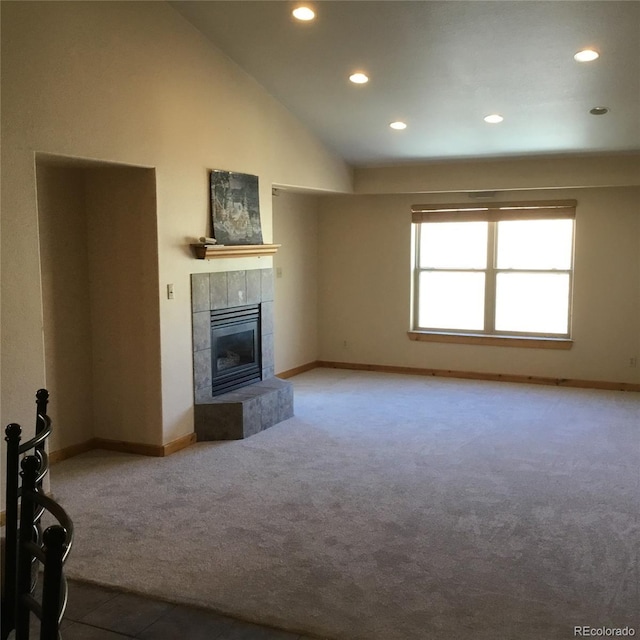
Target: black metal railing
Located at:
point(51, 550)
point(26, 545)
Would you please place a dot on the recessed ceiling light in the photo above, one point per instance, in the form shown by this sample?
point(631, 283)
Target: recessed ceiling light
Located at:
point(586, 55)
point(494, 118)
point(359, 78)
point(598, 111)
point(398, 125)
point(304, 13)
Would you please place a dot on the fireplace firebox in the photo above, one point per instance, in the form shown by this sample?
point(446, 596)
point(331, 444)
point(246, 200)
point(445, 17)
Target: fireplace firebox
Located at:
point(235, 348)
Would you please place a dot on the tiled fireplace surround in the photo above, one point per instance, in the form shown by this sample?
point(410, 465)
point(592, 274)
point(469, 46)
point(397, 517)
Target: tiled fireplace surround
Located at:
point(253, 408)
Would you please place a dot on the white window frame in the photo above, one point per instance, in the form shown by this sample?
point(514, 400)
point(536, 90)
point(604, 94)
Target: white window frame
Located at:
point(492, 213)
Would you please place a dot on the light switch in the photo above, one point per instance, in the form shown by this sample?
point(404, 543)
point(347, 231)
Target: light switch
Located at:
point(170, 291)
point(278, 272)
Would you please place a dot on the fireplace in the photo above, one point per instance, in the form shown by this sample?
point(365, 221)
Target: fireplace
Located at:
point(235, 348)
point(236, 393)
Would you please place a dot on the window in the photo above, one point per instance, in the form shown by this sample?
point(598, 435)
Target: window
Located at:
point(498, 270)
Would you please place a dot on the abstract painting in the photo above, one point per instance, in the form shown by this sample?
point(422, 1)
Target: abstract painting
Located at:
point(235, 208)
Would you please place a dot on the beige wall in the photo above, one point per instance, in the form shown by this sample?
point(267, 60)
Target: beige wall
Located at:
point(135, 84)
point(365, 283)
point(65, 296)
point(496, 174)
point(124, 306)
point(295, 226)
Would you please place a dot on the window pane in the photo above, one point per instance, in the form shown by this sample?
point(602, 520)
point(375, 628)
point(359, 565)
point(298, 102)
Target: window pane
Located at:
point(453, 245)
point(534, 244)
point(451, 301)
point(532, 302)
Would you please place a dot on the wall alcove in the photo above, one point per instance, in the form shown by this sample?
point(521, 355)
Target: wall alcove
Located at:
point(99, 275)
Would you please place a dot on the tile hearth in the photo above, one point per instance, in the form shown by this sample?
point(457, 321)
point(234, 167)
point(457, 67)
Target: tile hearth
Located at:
point(253, 408)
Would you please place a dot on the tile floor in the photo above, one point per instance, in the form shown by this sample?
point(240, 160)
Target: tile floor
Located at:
point(97, 613)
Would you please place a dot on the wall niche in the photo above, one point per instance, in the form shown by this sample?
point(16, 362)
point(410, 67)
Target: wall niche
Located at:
point(99, 275)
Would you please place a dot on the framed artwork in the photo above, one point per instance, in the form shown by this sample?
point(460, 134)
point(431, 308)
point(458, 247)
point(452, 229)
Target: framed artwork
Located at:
point(235, 208)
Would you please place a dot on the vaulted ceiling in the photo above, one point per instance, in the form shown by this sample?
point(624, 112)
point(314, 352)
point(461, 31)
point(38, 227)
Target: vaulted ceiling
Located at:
point(441, 67)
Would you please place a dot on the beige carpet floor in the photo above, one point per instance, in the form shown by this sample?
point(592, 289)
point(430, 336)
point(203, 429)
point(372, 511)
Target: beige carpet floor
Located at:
point(391, 507)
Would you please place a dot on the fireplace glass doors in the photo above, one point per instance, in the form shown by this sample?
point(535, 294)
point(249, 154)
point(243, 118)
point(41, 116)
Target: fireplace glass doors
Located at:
point(235, 348)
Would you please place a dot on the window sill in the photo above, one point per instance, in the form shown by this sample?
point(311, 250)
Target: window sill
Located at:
point(491, 341)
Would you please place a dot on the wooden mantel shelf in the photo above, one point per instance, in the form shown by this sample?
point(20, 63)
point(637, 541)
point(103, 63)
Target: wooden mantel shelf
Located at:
point(234, 251)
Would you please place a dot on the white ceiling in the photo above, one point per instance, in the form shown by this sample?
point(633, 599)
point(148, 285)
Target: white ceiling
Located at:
point(442, 66)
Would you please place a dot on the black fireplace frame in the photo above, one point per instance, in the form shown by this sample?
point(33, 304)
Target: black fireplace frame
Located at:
point(227, 322)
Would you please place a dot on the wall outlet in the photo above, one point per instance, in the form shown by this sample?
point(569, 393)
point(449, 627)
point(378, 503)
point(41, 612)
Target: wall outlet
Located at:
point(345, 344)
point(633, 361)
